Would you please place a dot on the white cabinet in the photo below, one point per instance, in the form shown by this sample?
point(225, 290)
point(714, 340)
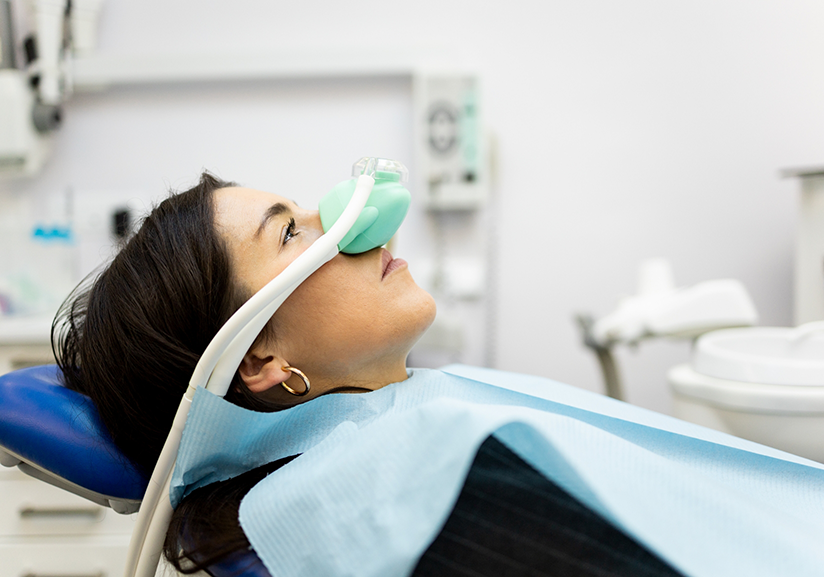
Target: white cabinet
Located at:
point(46, 531)
point(25, 342)
point(63, 558)
point(13, 357)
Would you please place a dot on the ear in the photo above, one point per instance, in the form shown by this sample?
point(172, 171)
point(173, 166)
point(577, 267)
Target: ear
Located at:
point(261, 374)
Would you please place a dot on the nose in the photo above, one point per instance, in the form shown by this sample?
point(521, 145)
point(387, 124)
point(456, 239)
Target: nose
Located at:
point(313, 225)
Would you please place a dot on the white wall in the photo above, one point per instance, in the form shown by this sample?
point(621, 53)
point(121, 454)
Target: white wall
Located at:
point(625, 130)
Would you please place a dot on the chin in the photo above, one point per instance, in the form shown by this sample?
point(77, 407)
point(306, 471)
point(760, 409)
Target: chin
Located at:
point(419, 313)
point(433, 310)
point(428, 311)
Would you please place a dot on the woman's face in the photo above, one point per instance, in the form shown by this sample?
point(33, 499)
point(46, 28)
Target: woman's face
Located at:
point(351, 323)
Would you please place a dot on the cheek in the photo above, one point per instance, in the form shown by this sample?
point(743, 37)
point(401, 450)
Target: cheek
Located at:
point(324, 309)
point(344, 311)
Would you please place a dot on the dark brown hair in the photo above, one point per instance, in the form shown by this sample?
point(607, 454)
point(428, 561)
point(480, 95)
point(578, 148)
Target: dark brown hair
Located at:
point(205, 529)
point(131, 337)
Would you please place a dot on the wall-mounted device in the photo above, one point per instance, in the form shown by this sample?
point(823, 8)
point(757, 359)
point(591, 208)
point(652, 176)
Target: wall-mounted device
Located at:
point(449, 141)
point(452, 168)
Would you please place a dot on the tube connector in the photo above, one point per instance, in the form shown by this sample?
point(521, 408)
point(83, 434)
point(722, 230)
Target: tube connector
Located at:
point(381, 168)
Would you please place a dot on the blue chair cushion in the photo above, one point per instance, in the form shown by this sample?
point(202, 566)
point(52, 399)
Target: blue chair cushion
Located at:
point(59, 431)
point(240, 564)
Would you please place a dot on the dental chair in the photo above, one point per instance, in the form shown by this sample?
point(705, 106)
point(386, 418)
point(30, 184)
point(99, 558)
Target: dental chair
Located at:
point(55, 435)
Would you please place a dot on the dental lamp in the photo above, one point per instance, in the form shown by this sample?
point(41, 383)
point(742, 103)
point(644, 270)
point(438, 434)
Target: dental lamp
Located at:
point(35, 39)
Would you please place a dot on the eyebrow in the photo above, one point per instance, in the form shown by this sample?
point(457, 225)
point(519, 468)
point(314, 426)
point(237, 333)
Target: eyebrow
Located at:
point(275, 210)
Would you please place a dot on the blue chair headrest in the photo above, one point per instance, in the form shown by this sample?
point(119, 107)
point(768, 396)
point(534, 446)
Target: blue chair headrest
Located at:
point(58, 431)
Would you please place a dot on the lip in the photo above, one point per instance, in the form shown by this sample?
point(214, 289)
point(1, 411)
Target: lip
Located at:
point(390, 264)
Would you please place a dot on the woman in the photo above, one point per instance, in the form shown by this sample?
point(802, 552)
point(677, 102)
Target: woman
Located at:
point(139, 330)
point(132, 339)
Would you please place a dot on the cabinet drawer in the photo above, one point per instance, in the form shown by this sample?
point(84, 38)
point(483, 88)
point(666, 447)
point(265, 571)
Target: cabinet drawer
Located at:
point(63, 559)
point(12, 474)
point(32, 507)
point(13, 357)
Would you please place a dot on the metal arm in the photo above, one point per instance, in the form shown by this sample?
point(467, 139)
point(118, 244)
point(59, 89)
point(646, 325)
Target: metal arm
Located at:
point(606, 360)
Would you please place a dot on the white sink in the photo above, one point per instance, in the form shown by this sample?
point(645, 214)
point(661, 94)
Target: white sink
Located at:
point(768, 355)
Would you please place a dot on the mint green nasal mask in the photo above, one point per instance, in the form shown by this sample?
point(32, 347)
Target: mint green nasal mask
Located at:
point(384, 211)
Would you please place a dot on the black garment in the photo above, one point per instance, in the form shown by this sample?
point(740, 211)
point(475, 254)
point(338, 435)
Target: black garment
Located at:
point(510, 520)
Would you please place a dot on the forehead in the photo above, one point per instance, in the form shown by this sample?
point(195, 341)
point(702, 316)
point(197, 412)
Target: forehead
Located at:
point(239, 210)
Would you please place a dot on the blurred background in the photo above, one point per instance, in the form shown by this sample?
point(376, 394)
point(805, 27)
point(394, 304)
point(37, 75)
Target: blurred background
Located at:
point(552, 146)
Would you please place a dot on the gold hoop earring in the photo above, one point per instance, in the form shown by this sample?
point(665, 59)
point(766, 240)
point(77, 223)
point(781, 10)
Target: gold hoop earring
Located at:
point(299, 373)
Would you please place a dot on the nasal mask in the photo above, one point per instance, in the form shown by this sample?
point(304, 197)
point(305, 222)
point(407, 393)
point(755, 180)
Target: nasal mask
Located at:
point(357, 215)
point(384, 211)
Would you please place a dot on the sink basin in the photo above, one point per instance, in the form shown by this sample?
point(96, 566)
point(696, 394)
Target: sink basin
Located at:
point(768, 355)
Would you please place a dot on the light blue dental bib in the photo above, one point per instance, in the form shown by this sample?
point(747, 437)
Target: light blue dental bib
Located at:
point(380, 472)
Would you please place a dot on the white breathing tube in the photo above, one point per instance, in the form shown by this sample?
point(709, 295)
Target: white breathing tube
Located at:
point(217, 367)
